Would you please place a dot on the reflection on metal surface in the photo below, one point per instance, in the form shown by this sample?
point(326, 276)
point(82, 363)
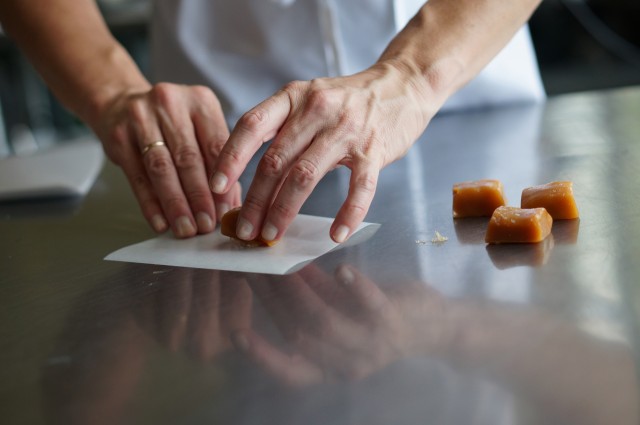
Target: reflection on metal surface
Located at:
point(505, 256)
point(328, 342)
point(471, 230)
point(421, 331)
point(566, 231)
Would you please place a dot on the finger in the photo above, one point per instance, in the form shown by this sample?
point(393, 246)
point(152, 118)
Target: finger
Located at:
point(227, 201)
point(365, 294)
point(291, 142)
point(236, 304)
point(300, 181)
point(292, 370)
point(209, 124)
point(175, 304)
point(142, 187)
point(161, 171)
point(180, 136)
point(326, 287)
point(362, 188)
point(256, 127)
point(310, 320)
point(205, 339)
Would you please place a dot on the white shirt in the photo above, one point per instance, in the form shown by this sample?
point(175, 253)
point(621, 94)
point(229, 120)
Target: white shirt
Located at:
point(246, 50)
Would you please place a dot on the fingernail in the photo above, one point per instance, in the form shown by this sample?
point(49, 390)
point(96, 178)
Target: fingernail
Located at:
point(269, 232)
point(244, 229)
point(223, 208)
point(341, 233)
point(240, 341)
point(158, 223)
point(205, 224)
point(345, 275)
point(218, 182)
point(184, 227)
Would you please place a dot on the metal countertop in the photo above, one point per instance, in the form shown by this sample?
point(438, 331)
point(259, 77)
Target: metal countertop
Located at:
point(451, 333)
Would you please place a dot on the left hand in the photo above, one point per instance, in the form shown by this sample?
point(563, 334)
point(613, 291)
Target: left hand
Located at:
point(364, 121)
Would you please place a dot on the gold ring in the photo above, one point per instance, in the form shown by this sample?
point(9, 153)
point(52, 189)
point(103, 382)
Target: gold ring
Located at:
point(151, 146)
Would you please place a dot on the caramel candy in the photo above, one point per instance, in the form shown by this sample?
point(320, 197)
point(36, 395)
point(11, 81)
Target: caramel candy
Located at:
point(516, 225)
point(477, 198)
point(228, 224)
point(556, 197)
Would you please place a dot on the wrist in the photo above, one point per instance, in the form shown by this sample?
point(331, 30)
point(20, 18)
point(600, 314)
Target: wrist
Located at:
point(113, 86)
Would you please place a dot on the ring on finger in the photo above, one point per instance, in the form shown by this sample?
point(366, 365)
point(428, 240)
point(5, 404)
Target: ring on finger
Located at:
point(150, 146)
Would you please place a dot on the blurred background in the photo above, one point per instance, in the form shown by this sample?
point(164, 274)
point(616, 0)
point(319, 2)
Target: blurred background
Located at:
point(581, 45)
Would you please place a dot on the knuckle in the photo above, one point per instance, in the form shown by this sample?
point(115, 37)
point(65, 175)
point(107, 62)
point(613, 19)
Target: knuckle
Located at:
point(174, 203)
point(119, 134)
point(187, 157)
point(138, 182)
point(158, 164)
point(202, 92)
point(293, 86)
point(164, 93)
point(254, 204)
point(272, 164)
point(231, 156)
point(198, 196)
point(137, 109)
point(319, 101)
point(366, 183)
point(253, 120)
point(305, 173)
point(354, 209)
point(284, 210)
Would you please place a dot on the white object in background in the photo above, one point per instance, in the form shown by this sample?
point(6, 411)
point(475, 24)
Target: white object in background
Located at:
point(23, 141)
point(66, 169)
point(306, 240)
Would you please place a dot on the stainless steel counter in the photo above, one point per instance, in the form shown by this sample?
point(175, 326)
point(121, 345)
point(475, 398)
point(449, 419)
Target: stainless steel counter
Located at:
point(450, 333)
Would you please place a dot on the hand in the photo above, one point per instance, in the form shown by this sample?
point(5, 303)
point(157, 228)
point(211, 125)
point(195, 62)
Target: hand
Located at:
point(197, 310)
point(344, 329)
point(170, 180)
point(364, 122)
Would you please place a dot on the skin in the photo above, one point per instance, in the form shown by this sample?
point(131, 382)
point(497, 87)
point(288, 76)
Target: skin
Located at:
point(347, 328)
point(362, 121)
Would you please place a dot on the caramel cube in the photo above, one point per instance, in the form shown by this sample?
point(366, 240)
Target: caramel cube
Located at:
point(556, 197)
point(516, 225)
point(477, 198)
point(228, 224)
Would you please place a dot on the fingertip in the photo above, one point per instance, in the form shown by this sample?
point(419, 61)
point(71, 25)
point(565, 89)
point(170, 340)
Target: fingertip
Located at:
point(159, 224)
point(269, 232)
point(204, 222)
point(345, 275)
point(240, 341)
point(340, 234)
point(218, 182)
point(183, 227)
point(244, 229)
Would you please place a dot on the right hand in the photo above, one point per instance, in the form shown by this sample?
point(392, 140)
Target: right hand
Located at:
point(170, 181)
point(342, 328)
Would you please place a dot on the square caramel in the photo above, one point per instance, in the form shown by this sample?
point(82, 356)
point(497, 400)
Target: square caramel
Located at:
point(477, 198)
point(517, 225)
point(556, 197)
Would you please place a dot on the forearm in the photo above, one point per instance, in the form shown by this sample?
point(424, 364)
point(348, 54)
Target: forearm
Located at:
point(553, 363)
point(71, 47)
point(449, 41)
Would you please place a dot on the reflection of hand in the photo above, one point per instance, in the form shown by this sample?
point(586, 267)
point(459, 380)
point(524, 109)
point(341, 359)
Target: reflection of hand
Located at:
point(199, 310)
point(345, 331)
point(169, 181)
point(364, 121)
